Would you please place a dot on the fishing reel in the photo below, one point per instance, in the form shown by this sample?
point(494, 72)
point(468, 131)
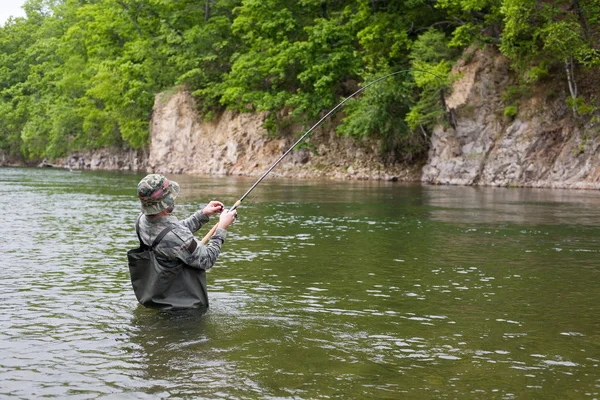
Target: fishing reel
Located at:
point(235, 216)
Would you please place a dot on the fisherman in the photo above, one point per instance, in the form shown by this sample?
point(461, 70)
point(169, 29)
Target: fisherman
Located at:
point(168, 271)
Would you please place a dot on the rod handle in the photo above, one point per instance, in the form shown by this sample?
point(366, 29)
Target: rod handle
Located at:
point(212, 231)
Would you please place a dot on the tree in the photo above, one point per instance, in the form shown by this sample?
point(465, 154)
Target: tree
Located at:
point(553, 33)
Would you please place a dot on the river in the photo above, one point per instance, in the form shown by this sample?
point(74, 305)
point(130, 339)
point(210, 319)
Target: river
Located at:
point(324, 290)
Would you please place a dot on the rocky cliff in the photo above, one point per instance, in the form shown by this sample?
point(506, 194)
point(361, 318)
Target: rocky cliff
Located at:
point(111, 159)
point(237, 144)
point(543, 146)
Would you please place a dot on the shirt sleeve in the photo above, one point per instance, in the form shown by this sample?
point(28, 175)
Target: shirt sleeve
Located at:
point(192, 252)
point(195, 221)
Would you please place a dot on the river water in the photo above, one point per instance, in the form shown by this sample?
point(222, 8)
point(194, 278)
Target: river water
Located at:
point(323, 290)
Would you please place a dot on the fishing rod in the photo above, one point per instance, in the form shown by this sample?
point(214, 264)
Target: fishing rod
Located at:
point(237, 203)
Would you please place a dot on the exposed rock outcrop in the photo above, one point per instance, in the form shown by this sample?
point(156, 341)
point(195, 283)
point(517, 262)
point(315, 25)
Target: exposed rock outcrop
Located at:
point(237, 144)
point(9, 161)
point(542, 147)
point(112, 159)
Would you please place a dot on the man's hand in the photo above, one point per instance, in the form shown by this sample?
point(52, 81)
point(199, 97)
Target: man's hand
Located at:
point(226, 218)
point(212, 208)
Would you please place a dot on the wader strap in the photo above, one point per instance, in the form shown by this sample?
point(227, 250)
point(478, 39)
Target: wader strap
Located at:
point(137, 230)
point(160, 236)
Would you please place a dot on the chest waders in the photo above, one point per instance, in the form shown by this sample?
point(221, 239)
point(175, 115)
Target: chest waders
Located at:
point(160, 287)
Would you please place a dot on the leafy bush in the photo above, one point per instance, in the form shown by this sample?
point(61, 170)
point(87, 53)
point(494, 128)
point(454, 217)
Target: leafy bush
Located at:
point(79, 74)
point(581, 106)
point(538, 73)
point(511, 111)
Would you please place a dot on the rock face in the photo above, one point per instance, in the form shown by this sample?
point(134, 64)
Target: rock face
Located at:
point(237, 144)
point(113, 159)
point(541, 147)
point(8, 161)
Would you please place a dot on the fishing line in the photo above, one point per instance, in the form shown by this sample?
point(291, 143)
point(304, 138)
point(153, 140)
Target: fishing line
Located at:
point(237, 203)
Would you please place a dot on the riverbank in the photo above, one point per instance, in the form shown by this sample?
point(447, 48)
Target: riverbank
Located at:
point(543, 144)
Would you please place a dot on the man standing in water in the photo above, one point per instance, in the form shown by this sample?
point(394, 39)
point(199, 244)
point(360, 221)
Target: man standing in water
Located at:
point(168, 271)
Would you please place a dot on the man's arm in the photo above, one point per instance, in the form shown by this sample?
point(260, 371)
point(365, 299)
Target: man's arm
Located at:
point(195, 254)
point(199, 218)
point(195, 221)
point(190, 251)
point(205, 256)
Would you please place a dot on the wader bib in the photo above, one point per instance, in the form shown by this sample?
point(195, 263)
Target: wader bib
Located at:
point(165, 288)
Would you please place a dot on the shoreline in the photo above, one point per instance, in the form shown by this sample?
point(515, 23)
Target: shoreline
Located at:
point(577, 186)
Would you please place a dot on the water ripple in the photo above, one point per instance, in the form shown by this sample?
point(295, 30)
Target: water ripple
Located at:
point(322, 290)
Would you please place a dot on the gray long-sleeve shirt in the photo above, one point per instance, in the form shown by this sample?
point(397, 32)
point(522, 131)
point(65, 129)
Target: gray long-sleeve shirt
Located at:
point(180, 245)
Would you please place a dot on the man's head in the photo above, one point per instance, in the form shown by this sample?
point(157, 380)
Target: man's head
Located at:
point(157, 193)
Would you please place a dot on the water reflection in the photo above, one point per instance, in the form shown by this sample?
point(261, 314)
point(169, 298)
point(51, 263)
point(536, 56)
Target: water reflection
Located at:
point(485, 205)
point(167, 344)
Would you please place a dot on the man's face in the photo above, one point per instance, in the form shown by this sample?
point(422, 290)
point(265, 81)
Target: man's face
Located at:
point(171, 209)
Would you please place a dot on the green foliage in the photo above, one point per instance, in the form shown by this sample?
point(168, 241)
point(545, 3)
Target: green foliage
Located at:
point(431, 67)
point(384, 40)
point(477, 21)
point(537, 73)
point(378, 111)
point(80, 74)
point(515, 92)
point(366, 115)
point(511, 111)
point(539, 37)
point(294, 57)
point(550, 32)
point(581, 106)
point(89, 72)
point(564, 39)
point(271, 124)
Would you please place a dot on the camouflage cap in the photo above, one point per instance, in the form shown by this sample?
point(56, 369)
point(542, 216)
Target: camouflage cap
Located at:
point(156, 193)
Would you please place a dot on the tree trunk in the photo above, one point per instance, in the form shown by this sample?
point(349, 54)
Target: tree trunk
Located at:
point(582, 21)
point(570, 69)
point(207, 10)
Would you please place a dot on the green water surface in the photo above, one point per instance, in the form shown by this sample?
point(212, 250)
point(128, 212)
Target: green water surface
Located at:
point(324, 290)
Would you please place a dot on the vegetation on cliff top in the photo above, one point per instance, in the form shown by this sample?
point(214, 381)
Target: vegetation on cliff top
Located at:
point(80, 74)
